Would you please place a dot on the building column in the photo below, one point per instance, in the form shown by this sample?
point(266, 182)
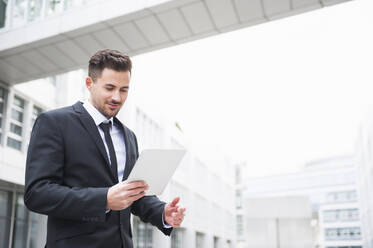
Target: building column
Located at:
point(161, 240)
point(189, 238)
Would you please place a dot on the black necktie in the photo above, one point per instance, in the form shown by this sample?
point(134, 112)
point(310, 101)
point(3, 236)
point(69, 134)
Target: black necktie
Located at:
point(113, 159)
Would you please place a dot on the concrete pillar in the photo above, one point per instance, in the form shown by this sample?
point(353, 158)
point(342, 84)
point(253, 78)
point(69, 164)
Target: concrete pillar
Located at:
point(160, 240)
point(208, 241)
point(189, 238)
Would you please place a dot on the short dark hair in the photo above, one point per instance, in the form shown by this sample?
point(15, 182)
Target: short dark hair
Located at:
point(107, 58)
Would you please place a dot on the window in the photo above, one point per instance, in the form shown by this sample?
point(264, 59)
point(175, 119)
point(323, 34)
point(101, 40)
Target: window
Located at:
point(2, 13)
point(2, 105)
point(342, 196)
point(345, 233)
point(341, 215)
point(73, 3)
point(200, 240)
point(24, 224)
point(238, 199)
point(54, 6)
point(216, 242)
point(5, 217)
point(34, 225)
point(16, 123)
point(238, 174)
point(143, 237)
point(343, 247)
point(16, 144)
point(19, 12)
point(177, 238)
point(239, 225)
point(16, 129)
point(36, 111)
point(20, 223)
point(34, 9)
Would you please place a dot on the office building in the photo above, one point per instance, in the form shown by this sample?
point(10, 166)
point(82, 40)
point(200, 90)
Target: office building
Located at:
point(325, 191)
point(365, 177)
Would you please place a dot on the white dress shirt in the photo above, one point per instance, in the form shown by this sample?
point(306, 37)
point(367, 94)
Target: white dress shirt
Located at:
point(116, 135)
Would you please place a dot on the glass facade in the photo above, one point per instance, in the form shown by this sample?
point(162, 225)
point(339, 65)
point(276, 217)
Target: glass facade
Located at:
point(5, 217)
point(200, 240)
point(341, 215)
point(23, 11)
point(344, 247)
point(2, 110)
point(13, 129)
point(20, 223)
point(36, 111)
point(177, 238)
point(216, 242)
point(238, 198)
point(16, 123)
point(143, 234)
point(35, 8)
point(342, 196)
point(3, 4)
point(18, 226)
point(19, 12)
point(239, 223)
point(343, 233)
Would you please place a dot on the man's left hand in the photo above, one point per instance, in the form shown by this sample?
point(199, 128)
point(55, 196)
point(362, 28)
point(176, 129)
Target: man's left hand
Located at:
point(173, 213)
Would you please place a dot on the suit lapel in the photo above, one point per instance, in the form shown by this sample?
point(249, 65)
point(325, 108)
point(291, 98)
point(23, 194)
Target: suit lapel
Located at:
point(91, 128)
point(127, 168)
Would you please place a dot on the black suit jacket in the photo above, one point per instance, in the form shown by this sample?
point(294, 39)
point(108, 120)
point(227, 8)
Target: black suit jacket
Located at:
point(67, 178)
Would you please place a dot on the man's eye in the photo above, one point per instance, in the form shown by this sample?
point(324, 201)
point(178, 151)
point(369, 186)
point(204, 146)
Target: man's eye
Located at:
point(124, 90)
point(109, 88)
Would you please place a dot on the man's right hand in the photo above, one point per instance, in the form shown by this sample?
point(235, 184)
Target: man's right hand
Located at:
point(123, 194)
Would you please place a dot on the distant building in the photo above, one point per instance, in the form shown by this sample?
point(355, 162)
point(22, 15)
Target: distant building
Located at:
point(329, 186)
point(278, 222)
point(365, 174)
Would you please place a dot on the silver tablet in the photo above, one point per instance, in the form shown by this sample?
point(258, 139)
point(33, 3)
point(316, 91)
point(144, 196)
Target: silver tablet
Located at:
point(156, 167)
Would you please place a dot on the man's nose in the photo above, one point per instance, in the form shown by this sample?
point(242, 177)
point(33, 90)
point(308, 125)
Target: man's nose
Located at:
point(116, 96)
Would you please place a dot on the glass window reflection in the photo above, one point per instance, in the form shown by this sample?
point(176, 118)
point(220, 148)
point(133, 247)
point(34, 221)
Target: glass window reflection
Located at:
point(19, 12)
point(20, 224)
point(34, 9)
point(5, 217)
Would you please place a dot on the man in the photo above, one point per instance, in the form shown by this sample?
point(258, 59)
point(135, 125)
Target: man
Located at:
point(78, 160)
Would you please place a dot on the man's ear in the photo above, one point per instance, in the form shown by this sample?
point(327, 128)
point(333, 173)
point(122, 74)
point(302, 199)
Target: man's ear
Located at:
point(88, 82)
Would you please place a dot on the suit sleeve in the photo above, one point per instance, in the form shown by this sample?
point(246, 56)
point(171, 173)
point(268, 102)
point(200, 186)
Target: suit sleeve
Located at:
point(150, 208)
point(45, 192)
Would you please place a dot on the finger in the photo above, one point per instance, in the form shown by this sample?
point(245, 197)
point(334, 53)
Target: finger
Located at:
point(181, 210)
point(138, 189)
point(175, 201)
point(135, 184)
point(171, 209)
point(179, 216)
point(136, 197)
point(134, 192)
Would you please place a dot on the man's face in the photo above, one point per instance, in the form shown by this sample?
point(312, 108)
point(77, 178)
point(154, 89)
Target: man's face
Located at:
point(109, 92)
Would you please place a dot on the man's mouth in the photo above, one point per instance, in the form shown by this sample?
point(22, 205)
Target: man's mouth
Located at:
point(113, 106)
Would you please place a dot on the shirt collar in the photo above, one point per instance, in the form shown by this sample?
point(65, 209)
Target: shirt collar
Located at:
point(96, 115)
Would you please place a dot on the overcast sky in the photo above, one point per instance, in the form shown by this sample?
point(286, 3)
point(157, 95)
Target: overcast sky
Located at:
point(276, 95)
